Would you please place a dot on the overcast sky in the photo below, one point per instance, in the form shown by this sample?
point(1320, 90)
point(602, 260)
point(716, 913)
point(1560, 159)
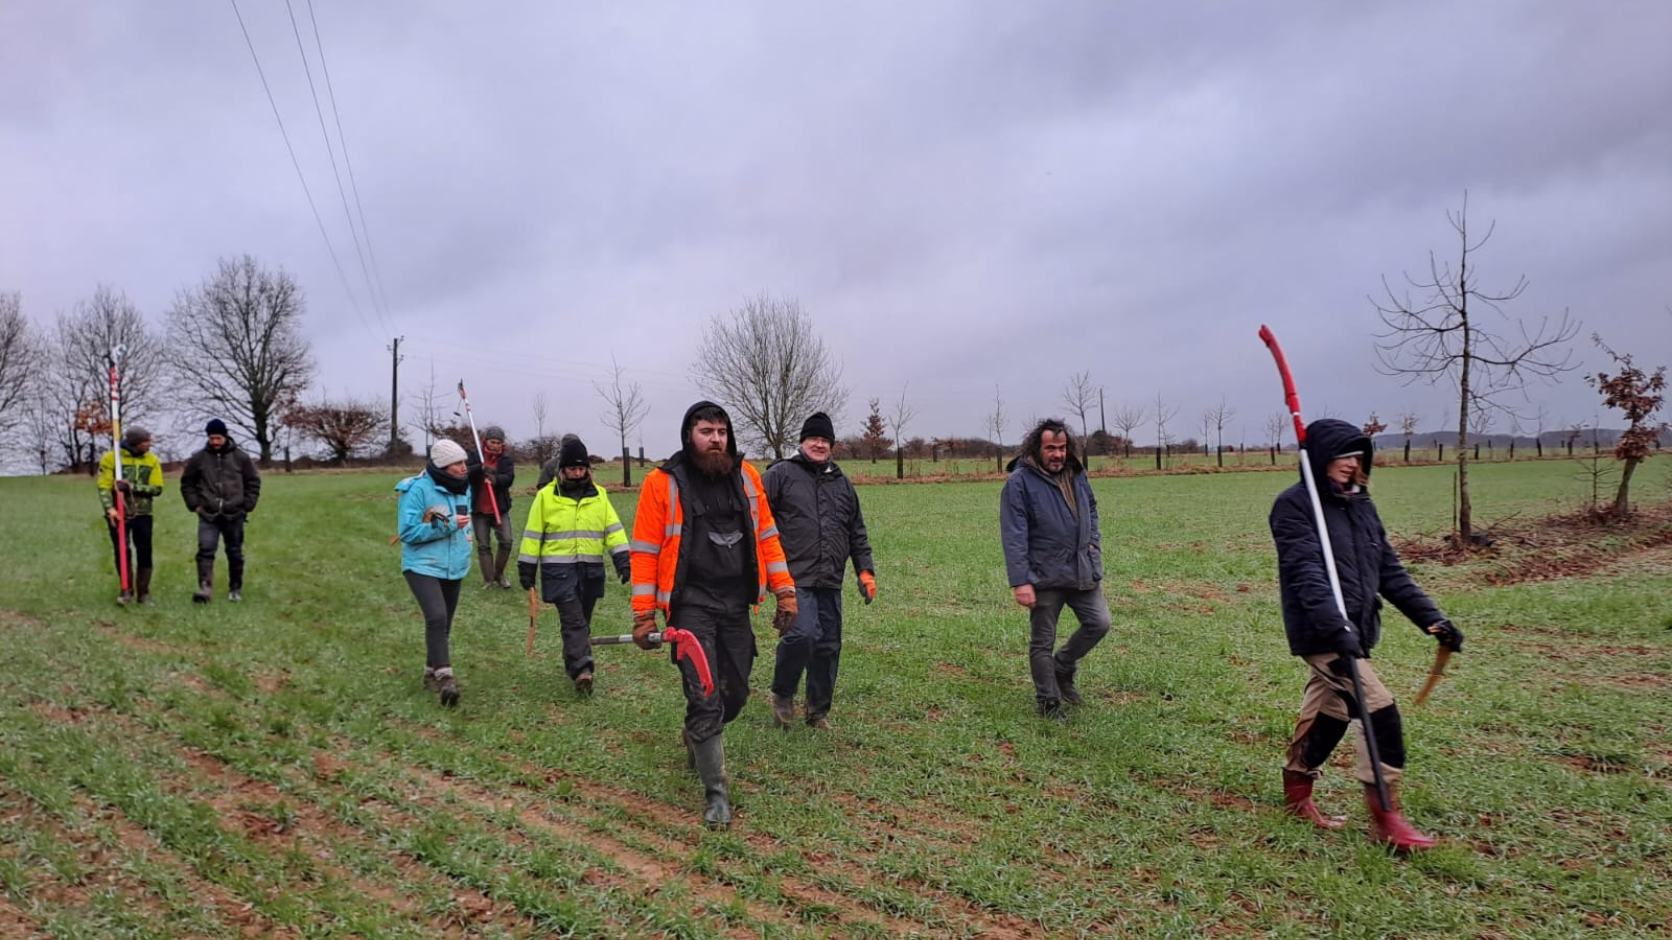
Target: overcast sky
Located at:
point(959, 193)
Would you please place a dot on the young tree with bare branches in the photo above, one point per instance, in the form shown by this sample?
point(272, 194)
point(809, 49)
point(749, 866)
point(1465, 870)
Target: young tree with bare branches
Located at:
point(1079, 396)
point(624, 408)
point(1128, 419)
point(1275, 423)
point(1162, 414)
point(19, 354)
point(1219, 416)
point(898, 421)
point(77, 381)
point(237, 343)
point(769, 367)
point(995, 425)
point(1440, 335)
point(1408, 427)
point(1638, 395)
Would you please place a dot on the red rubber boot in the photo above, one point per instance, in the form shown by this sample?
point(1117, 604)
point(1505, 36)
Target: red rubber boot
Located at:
point(1390, 827)
point(1297, 801)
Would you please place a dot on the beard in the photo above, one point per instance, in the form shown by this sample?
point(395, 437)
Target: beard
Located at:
point(712, 464)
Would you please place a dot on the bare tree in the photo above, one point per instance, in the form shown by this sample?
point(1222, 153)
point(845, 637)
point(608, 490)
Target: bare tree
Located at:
point(19, 353)
point(1541, 417)
point(1163, 413)
point(1079, 396)
point(765, 362)
point(1128, 419)
point(237, 342)
point(78, 379)
point(344, 427)
point(1275, 423)
point(538, 408)
point(1207, 432)
point(897, 423)
point(1480, 422)
point(1441, 337)
point(1219, 416)
point(431, 410)
point(624, 408)
point(995, 425)
point(1408, 427)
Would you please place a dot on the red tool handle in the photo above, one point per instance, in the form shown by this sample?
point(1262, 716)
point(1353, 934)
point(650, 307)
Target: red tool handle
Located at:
point(687, 646)
point(1291, 398)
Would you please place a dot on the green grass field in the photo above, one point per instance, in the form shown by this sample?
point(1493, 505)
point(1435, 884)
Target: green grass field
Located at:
point(274, 768)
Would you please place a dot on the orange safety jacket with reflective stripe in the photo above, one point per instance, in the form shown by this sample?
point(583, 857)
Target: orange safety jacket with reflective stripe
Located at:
point(657, 527)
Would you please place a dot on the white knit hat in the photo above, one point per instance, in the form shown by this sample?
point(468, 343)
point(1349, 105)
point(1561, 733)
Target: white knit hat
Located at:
point(445, 453)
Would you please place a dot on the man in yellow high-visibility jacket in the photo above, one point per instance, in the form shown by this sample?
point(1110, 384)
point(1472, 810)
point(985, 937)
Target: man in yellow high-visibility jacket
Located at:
point(571, 528)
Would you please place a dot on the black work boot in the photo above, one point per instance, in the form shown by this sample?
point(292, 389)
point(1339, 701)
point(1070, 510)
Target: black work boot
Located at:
point(446, 686)
point(783, 710)
point(583, 684)
point(143, 583)
point(205, 582)
point(711, 768)
point(1050, 709)
point(1065, 687)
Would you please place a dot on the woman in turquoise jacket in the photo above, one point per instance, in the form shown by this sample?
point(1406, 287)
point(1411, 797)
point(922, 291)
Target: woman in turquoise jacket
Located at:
point(435, 554)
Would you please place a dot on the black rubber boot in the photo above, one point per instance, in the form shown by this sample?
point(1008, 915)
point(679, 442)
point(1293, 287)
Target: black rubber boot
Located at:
point(711, 768)
point(484, 560)
point(1050, 709)
point(205, 582)
point(143, 583)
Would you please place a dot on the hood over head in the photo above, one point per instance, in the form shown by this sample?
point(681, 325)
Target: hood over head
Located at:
point(1329, 438)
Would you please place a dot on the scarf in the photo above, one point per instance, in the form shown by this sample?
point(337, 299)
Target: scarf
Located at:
point(445, 480)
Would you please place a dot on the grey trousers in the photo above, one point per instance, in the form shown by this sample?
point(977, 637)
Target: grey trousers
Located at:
point(1093, 613)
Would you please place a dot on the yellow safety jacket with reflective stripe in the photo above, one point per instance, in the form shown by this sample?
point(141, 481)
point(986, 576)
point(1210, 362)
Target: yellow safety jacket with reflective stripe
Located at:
point(562, 530)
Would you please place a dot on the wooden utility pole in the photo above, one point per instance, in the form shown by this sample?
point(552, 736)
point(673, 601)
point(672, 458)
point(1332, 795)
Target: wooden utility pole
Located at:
point(395, 358)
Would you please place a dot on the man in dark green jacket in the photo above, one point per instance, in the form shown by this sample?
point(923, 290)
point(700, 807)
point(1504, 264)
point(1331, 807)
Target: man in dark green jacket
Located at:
point(221, 485)
point(821, 528)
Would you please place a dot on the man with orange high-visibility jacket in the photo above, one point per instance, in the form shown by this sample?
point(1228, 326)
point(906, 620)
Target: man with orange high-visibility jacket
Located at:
point(704, 550)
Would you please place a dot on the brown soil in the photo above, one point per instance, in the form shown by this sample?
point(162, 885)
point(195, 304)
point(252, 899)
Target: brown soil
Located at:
point(1565, 545)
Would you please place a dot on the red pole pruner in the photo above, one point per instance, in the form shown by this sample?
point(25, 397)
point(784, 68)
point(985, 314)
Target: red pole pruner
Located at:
point(685, 646)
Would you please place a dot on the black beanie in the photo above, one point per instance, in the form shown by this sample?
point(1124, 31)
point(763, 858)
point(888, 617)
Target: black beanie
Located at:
point(573, 454)
point(215, 426)
point(818, 425)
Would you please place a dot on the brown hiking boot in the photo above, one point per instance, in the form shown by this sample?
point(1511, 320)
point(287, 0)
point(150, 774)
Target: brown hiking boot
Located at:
point(820, 723)
point(783, 710)
point(446, 687)
point(430, 683)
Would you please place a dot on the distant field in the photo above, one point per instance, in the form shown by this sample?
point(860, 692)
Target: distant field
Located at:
point(275, 768)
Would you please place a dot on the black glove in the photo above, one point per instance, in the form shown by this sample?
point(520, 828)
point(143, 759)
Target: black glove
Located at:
point(525, 574)
point(1447, 633)
point(623, 568)
point(1346, 643)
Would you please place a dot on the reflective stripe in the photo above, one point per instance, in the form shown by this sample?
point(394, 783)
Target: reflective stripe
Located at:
point(572, 559)
point(776, 567)
point(639, 589)
point(649, 548)
point(770, 533)
point(576, 534)
point(663, 597)
point(674, 529)
point(531, 534)
point(614, 528)
point(531, 559)
point(618, 549)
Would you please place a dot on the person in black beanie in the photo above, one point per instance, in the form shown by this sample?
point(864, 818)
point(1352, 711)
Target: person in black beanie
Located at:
point(571, 529)
point(221, 485)
point(822, 529)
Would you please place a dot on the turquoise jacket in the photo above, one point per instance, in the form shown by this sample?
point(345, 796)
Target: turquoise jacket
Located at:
point(440, 548)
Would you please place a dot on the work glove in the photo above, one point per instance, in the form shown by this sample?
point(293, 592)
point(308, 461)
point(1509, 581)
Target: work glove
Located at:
point(1346, 643)
point(124, 487)
point(623, 567)
point(785, 616)
point(644, 624)
point(1447, 633)
point(525, 574)
point(868, 586)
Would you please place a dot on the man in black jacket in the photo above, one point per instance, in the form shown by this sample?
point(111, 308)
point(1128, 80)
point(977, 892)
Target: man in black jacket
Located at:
point(1368, 570)
point(500, 472)
point(1053, 556)
point(221, 485)
point(821, 528)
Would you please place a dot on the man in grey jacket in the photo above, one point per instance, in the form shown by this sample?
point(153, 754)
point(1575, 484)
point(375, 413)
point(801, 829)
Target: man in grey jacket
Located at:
point(221, 485)
point(1053, 556)
point(821, 528)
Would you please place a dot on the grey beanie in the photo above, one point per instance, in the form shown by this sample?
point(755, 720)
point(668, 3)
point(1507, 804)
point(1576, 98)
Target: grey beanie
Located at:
point(493, 432)
point(135, 436)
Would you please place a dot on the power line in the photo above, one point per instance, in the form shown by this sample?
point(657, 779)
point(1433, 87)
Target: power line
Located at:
point(353, 300)
point(313, 92)
point(353, 184)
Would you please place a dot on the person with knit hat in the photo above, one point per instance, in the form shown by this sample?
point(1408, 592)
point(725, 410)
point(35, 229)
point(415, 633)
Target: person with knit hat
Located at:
point(572, 528)
point(141, 483)
point(495, 472)
point(221, 484)
point(434, 530)
point(822, 529)
point(705, 548)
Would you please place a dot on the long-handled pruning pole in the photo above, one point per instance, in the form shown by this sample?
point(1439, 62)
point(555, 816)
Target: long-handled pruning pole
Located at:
point(493, 501)
point(1292, 400)
point(111, 360)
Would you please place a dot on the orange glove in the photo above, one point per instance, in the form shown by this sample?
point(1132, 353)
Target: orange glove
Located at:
point(868, 586)
point(785, 616)
point(644, 624)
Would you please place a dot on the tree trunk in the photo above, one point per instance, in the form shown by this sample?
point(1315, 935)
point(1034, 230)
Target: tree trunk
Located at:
point(1158, 456)
point(1221, 456)
point(1538, 442)
point(1622, 496)
point(1407, 450)
point(899, 463)
point(1274, 455)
